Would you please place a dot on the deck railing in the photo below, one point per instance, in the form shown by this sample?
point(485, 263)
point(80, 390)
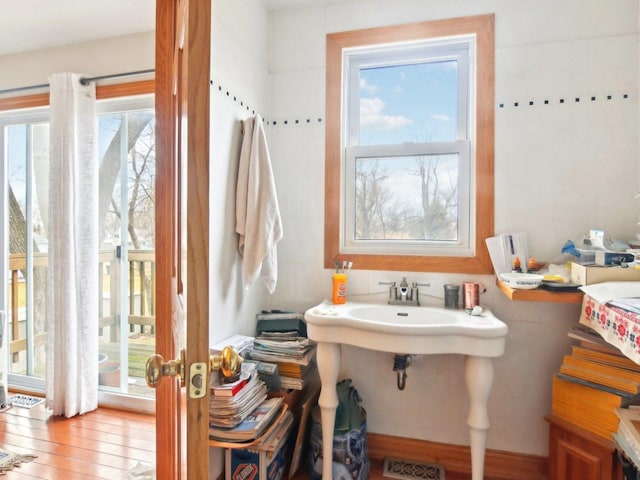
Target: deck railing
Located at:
point(140, 296)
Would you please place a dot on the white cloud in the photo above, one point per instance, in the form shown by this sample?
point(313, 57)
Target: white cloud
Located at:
point(371, 106)
point(372, 116)
point(441, 117)
point(366, 87)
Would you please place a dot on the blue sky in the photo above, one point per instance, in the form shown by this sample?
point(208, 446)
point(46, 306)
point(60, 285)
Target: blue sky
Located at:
point(17, 149)
point(408, 103)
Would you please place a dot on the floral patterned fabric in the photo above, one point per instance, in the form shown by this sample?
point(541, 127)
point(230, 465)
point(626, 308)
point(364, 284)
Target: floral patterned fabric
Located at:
point(618, 327)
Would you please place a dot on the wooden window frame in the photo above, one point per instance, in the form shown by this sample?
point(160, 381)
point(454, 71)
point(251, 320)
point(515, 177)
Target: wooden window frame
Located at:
point(103, 92)
point(482, 26)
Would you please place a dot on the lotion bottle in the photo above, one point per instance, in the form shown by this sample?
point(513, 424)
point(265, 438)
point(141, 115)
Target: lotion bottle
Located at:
point(339, 295)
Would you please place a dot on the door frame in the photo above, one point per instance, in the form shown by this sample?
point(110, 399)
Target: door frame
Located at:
point(183, 43)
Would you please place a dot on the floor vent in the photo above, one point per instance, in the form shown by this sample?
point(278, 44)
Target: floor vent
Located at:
point(406, 469)
point(25, 401)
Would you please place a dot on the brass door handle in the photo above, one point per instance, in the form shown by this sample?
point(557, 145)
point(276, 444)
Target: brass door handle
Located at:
point(157, 368)
point(199, 372)
point(228, 363)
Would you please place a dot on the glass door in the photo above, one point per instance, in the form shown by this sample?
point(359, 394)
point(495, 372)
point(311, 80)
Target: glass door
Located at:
point(26, 145)
point(126, 147)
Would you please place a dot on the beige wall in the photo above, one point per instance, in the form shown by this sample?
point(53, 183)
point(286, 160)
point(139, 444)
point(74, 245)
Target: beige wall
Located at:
point(560, 169)
point(114, 55)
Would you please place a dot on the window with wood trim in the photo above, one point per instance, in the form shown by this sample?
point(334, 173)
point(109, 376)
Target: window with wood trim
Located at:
point(409, 146)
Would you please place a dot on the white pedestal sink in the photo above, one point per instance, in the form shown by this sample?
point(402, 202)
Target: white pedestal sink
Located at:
point(407, 330)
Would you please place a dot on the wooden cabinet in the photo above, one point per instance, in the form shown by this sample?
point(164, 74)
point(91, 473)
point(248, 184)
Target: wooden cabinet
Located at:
point(576, 454)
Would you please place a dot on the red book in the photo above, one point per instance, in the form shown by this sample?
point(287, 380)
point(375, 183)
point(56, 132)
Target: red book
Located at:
point(228, 390)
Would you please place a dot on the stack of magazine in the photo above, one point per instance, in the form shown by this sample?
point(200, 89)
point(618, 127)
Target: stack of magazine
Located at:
point(230, 404)
point(293, 354)
point(252, 426)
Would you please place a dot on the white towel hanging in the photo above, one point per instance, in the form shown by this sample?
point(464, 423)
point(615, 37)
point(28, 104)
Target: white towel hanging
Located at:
point(258, 221)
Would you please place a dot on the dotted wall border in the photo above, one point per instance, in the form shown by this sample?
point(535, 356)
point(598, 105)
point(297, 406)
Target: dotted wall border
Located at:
point(564, 100)
point(285, 122)
point(532, 102)
point(298, 121)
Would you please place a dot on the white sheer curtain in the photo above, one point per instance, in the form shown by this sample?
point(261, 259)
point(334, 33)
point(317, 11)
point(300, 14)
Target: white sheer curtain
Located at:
point(72, 310)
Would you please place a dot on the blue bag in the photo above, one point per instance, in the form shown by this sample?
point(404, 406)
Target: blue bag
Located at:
point(350, 452)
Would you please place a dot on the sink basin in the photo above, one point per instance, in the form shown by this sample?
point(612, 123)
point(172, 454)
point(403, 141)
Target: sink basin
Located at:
point(407, 329)
point(392, 315)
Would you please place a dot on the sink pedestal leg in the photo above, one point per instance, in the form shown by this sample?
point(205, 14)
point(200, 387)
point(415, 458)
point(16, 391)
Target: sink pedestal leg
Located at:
point(328, 359)
point(479, 377)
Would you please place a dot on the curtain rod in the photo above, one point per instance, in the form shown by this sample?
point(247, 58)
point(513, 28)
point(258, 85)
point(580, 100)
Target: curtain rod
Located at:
point(83, 81)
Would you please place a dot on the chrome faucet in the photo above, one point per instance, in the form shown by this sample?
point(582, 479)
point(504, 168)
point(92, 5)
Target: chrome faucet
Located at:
point(403, 294)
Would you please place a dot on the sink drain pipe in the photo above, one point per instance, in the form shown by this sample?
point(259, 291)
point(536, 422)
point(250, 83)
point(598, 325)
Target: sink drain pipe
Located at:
point(400, 365)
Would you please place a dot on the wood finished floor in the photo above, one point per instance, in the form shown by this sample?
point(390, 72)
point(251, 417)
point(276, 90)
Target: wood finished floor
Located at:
point(103, 444)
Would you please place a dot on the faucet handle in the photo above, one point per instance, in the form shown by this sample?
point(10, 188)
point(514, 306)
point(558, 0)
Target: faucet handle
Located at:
point(391, 284)
point(415, 284)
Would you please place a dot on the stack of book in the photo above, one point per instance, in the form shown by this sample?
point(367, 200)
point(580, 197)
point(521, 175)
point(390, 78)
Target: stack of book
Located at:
point(231, 403)
point(293, 355)
point(591, 384)
point(589, 338)
point(252, 426)
point(628, 435)
point(295, 376)
point(282, 340)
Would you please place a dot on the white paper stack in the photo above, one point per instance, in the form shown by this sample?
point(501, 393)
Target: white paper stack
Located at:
point(504, 248)
point(241, 343)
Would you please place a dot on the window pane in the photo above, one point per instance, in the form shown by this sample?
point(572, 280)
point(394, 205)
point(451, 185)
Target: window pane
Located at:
point(414, 103)
point(28, 172)
point(127, 241)
point(137, 130)
point(407, 198)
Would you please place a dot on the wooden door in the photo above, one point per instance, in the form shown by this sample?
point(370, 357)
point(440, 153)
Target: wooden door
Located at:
point(182, 229)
